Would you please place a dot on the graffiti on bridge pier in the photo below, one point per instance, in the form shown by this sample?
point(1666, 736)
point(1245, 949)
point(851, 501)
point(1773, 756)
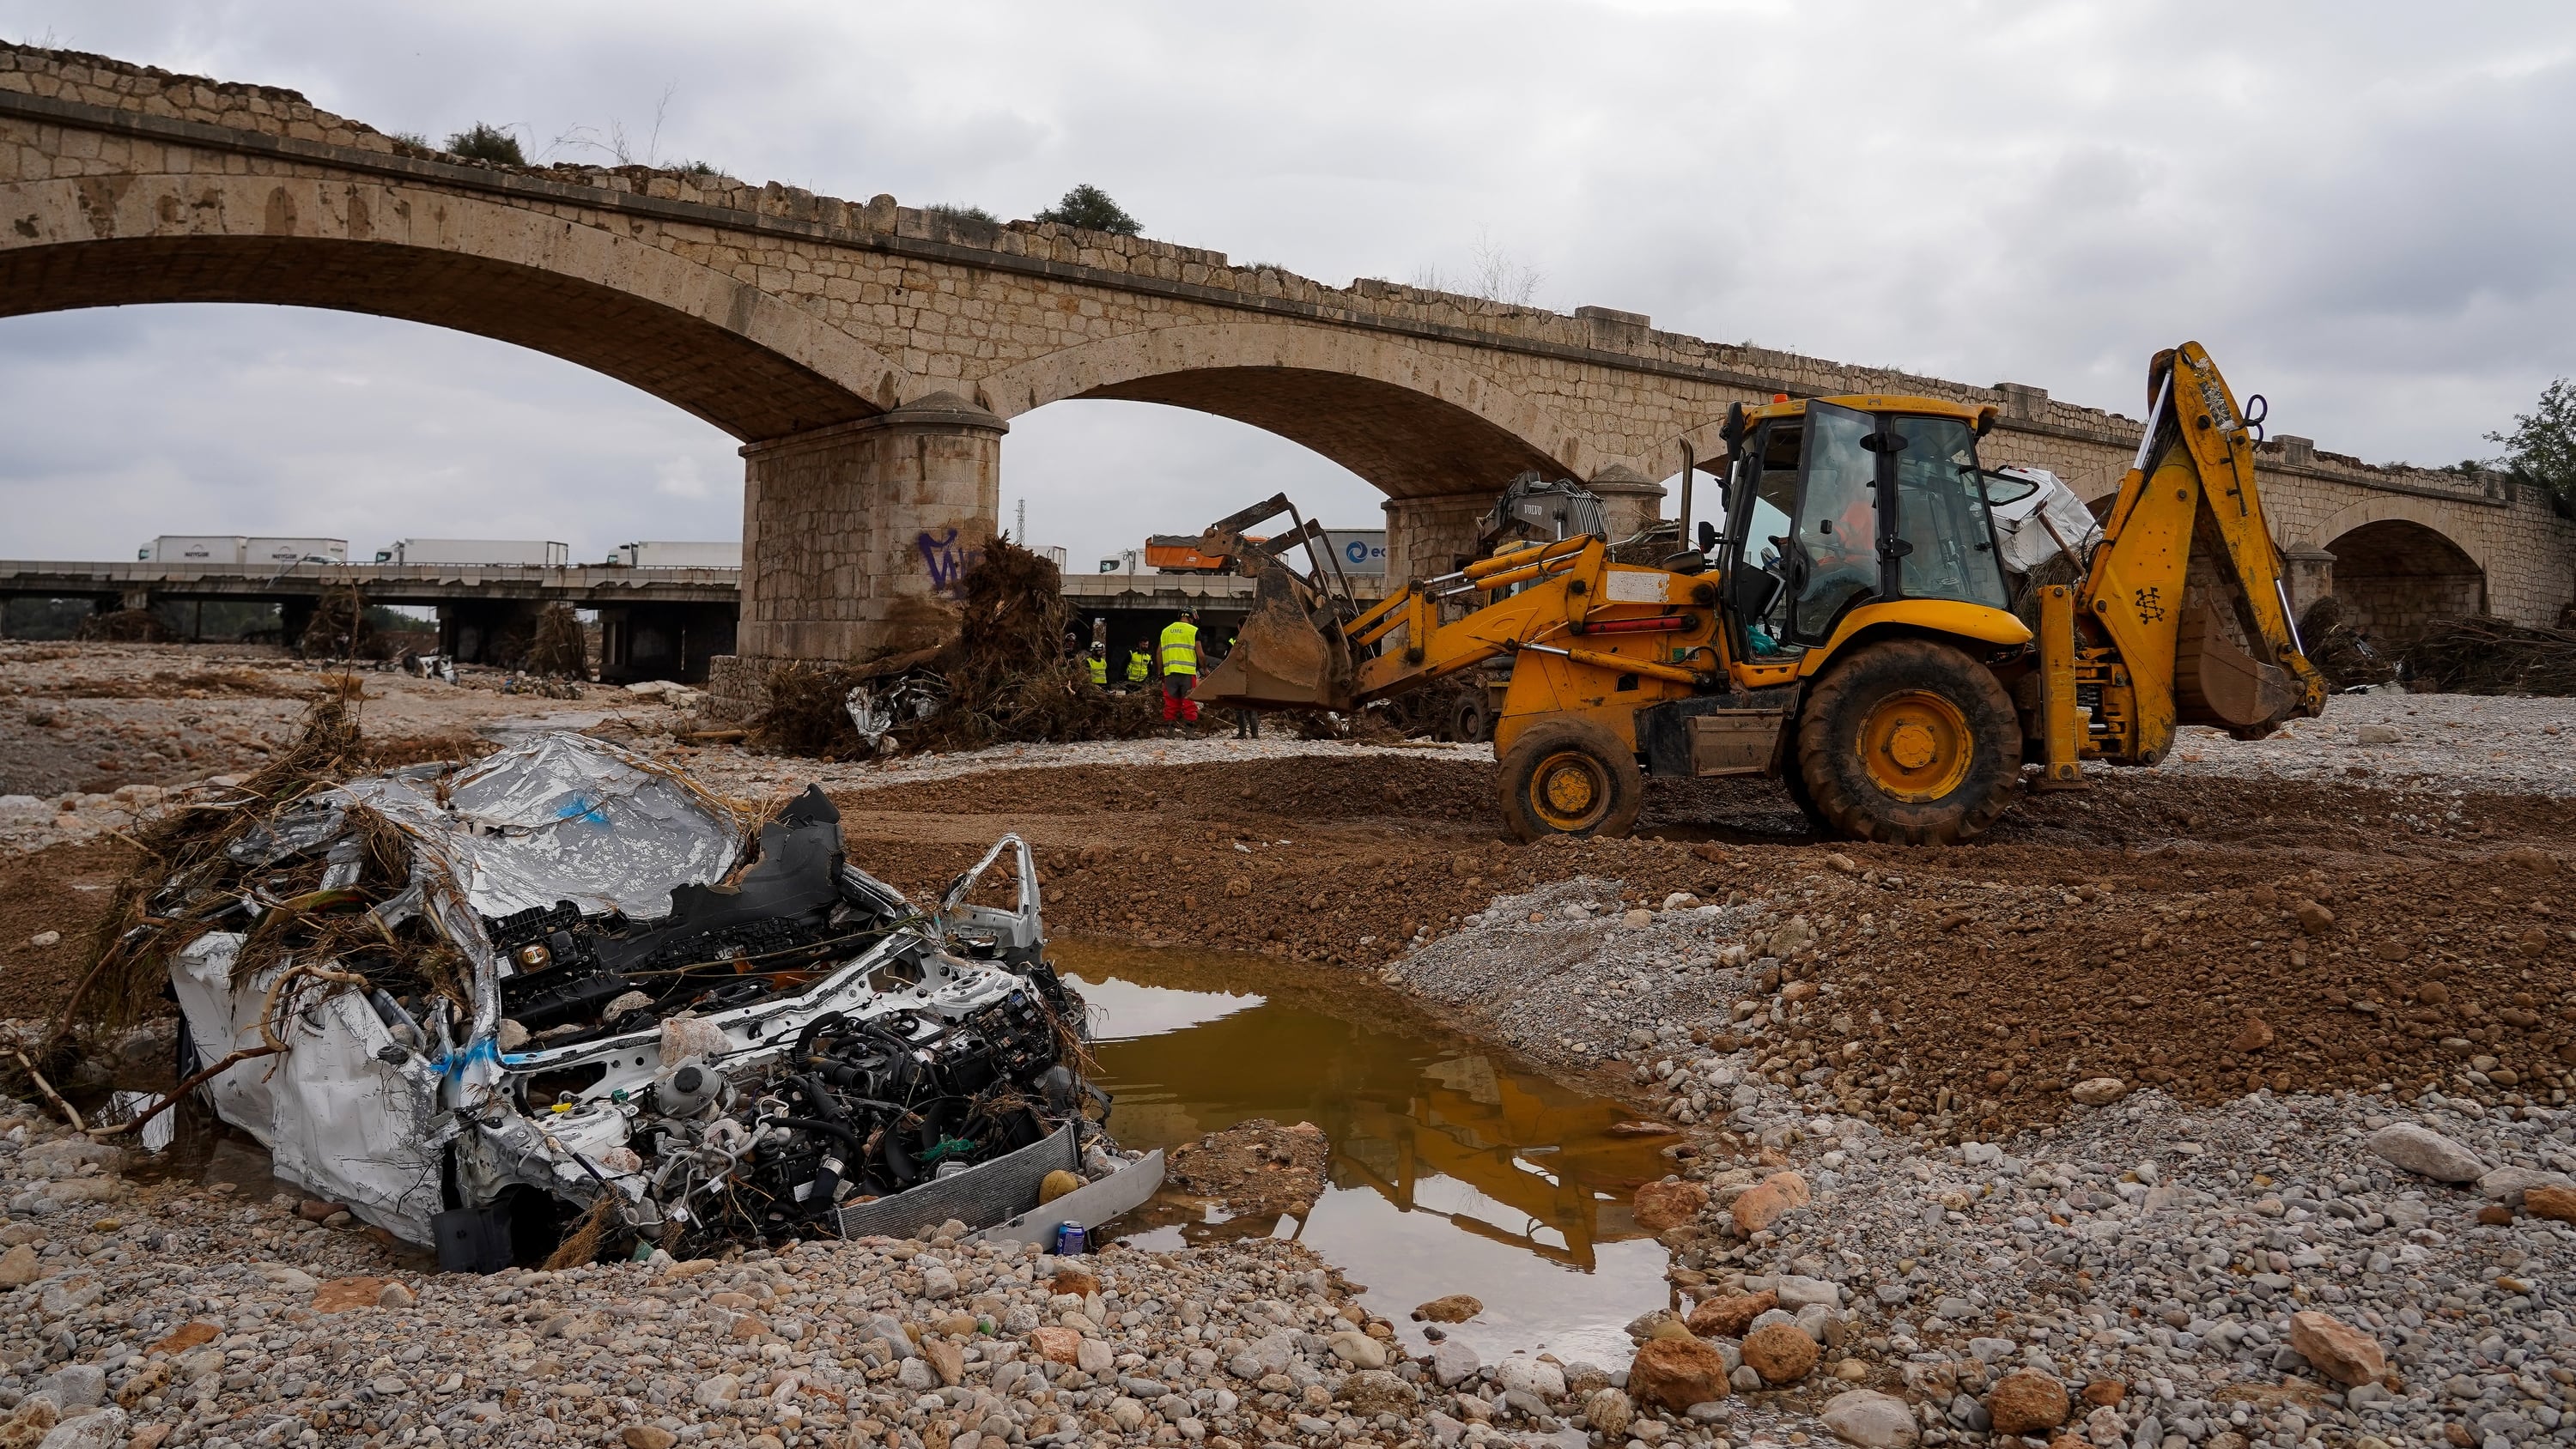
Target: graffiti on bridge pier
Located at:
point(947, 557)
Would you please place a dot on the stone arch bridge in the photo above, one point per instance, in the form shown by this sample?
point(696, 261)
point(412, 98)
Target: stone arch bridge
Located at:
point(870, 356)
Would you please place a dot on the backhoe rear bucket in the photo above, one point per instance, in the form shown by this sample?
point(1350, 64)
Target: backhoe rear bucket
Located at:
point(2217, 682)
point(1281, 660)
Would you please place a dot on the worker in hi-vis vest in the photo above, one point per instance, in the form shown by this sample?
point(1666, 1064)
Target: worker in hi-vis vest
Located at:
point(1140, 665)
point(1097, 661)
point(1180, 657)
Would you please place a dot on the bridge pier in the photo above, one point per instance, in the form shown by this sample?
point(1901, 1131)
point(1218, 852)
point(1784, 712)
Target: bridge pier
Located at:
point(1629, 499)
point(1428, 537)
point(854, 536)
point(295, 615)
point(2311, 571)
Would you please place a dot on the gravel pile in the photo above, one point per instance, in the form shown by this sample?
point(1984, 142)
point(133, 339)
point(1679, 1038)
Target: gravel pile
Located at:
point(1571, 974)
point(2478, 742)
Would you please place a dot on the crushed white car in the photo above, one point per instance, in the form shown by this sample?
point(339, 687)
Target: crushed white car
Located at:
point(595, 1000)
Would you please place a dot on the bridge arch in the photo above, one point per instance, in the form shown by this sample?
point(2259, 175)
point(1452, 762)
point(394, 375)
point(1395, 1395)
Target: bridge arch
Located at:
point(2398, 568)
point(718, 347)
point(1414, 424)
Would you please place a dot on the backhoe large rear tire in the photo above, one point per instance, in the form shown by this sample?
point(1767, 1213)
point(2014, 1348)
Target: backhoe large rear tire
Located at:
point(1793, 781)
point(1570, 777)
point(1912, 741)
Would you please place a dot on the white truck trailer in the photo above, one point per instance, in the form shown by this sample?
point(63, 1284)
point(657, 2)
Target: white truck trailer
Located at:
point(523, 552)
point(666, 554)
point(295, 550)
point(204, 548)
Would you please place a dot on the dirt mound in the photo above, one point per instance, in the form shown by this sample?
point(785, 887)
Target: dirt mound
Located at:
point(2209, 984)
point(1257, 1169)
point(1314, 788)
point(1004, 678)
point(234, 683)
point(65, 890)
point(1328, 860)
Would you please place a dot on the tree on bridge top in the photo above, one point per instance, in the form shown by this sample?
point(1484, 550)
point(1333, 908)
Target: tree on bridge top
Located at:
point(1089, 207)
point(486, 142)
point(2541, 449)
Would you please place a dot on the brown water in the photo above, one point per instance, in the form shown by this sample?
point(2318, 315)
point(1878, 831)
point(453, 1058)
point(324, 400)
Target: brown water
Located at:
point(1455, 1169)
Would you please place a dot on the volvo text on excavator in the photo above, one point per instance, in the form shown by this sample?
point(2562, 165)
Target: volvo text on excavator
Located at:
point(1851, 632)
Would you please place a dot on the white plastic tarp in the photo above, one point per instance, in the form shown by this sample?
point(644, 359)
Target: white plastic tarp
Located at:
point(565, 817)
point(2025, 528)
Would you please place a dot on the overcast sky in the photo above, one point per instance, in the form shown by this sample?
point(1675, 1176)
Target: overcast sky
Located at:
point(2365, 216)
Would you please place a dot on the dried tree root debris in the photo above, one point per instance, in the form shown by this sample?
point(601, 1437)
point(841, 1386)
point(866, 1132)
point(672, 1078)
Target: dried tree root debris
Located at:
point(1004, 677)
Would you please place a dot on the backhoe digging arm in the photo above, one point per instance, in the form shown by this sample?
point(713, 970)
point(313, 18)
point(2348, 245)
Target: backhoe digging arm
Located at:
point(2155, 650)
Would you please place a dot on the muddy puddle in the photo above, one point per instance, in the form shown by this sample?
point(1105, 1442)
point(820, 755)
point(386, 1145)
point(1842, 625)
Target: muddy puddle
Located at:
point(1454, 1169)
point(200, 1151)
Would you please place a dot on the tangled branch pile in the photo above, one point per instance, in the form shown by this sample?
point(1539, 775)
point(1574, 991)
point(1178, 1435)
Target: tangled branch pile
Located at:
point(2482, 654)
point(208, 867)
point(559, 649)
point(1004, 678)
point(340, 628)
point(2339, 652)
point(125, 626)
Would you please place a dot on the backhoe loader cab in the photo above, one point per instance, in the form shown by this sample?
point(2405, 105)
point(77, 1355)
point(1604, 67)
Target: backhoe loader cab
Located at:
point(1838, 503)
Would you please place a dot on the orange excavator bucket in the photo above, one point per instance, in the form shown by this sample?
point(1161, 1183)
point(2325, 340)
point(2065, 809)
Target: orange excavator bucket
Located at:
point(1283, 658)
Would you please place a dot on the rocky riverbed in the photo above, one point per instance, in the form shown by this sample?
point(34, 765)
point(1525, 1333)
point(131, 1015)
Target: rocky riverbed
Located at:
point(2063, 1137)
point(2281, 1270)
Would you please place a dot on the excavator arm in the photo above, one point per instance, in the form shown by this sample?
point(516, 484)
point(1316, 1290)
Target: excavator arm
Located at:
point(1571, 603)
point(2184, 615)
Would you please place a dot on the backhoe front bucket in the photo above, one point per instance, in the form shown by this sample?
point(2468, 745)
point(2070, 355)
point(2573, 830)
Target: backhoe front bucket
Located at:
point(1281, 660)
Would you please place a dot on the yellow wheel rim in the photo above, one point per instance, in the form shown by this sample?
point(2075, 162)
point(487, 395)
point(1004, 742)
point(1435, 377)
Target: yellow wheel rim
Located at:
point(1916, 746)
point(1569, 791)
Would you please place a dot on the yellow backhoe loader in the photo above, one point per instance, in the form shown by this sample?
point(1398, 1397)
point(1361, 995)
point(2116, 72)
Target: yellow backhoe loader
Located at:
point(1851, 631)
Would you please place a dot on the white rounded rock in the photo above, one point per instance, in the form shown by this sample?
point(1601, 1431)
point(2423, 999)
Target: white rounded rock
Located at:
point(2426, 1153)
point(1870, 1419)
point(2100, 1091)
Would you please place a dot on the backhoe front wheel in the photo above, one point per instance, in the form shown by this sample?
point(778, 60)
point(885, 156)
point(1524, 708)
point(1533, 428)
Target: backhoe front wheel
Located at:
point(1570, 777)
point(1912, 741)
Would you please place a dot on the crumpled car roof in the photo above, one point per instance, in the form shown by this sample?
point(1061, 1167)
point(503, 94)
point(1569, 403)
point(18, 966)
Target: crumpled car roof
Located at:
point(563, 817)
